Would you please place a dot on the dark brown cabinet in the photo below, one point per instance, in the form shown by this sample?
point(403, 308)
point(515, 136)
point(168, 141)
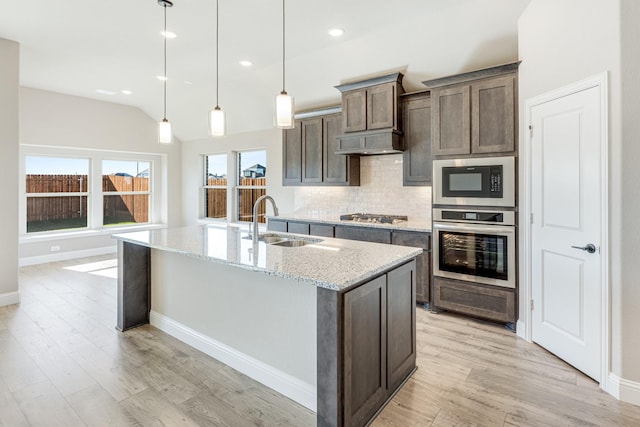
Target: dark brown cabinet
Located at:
point(474, 299)
point(277, 225)
point(312, 150)
point(292, 155)
point(371, 108)
point(309, 153)
point(474, 113)
point(298, 227)
point(423, 261)
point(416, 126)
point(366, 234)
point(379, 341)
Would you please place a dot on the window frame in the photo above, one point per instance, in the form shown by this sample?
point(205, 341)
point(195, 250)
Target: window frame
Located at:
point(148, 193)
point(204, 187)
point(157, 186)
point(237, 187)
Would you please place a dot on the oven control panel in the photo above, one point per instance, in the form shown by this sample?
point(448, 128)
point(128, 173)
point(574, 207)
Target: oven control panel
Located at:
point(475, 216)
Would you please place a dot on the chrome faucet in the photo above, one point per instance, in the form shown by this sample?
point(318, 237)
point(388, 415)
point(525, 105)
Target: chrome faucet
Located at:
point(254, 234)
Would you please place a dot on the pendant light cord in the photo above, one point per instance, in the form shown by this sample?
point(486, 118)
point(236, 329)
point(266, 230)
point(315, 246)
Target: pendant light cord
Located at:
point(283, 46)
point(165, 61)
point(217, 54)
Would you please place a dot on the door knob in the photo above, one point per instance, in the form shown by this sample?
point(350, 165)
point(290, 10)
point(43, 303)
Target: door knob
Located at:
point(590, 248)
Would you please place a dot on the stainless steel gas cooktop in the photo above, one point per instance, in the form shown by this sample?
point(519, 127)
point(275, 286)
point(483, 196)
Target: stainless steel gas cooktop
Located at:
point(373, 218)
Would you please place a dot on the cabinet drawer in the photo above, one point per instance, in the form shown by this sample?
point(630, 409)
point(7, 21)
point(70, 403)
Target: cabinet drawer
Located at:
point(298, 227)
point(353, 143)
point(323, 230)
point(276, 225)
point(475, 300)
point(411, 238)
point(363, 233)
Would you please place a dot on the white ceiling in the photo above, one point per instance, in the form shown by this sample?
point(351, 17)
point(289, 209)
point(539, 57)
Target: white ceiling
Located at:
point(78, 46)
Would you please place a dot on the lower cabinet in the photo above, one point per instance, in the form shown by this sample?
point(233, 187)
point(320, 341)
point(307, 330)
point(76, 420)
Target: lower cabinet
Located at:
point(277, 225)
point(474, 299)
point(367, 234)
point(379, 342)
point(298, 227)
point(423, 261)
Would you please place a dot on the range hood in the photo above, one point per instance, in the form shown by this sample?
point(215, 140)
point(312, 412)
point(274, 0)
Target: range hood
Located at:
point(384, 141)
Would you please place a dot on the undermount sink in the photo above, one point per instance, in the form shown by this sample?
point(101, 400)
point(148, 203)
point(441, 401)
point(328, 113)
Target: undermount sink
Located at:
point(287, 240)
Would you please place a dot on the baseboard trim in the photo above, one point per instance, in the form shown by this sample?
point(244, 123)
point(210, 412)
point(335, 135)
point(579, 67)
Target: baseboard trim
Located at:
point(9, 298)
point(293, 388)
point(625, 390)
point(64, 256)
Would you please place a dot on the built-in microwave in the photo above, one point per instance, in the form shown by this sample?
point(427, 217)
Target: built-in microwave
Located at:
point(487, 181)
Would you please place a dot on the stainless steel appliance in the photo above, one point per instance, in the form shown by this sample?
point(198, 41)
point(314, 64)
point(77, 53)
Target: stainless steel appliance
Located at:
point(486, 181)
point(475, 245)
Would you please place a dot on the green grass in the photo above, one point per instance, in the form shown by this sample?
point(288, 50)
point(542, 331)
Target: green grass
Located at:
point(56, 224)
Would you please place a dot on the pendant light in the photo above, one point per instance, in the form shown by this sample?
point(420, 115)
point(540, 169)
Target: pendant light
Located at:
point(164, 128)
point(284, 102)
point(216, 116)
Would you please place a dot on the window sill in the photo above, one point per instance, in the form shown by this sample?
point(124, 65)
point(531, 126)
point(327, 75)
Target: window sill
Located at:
point(76, 234)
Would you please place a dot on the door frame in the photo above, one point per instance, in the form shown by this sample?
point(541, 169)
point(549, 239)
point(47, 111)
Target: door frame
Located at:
point(525, 321)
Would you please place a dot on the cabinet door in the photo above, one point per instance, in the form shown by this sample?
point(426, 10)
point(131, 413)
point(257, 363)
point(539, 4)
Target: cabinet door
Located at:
point(335, 165)
point(401, 324)
point(365, 351)
point(292, 155)
point(312, 150)
point(276, 225)
point(298, 227)
point(365, 234)
point(416, 125)
point(323, 230)
point(382, 106)
point(450, 125)
point(493, 119)
point(423, 261)
point(354, 111)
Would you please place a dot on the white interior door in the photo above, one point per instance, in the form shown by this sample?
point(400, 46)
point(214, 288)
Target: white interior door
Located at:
point(566, 229)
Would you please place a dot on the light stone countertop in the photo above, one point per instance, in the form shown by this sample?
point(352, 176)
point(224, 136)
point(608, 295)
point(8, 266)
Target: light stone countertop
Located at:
point(335, 264)
point(411, 224)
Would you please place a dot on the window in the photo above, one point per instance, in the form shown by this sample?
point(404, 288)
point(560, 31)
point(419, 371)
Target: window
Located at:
point(215, 186)
point(126, 192)
point(251, 183)
point(57, 193)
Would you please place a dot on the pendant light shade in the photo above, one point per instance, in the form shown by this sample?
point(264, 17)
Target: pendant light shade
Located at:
point(217, 126)
point(165, 135)
point(164, 132)
point(284, 102)
point(284, 110)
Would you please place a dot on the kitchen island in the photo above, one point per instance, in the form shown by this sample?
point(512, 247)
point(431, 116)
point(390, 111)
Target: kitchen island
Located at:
point(330, 323)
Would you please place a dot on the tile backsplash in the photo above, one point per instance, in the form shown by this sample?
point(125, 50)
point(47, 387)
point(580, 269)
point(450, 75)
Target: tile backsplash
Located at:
point(380, 192)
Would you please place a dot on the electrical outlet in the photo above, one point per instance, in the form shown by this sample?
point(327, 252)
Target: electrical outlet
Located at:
point(55, 248)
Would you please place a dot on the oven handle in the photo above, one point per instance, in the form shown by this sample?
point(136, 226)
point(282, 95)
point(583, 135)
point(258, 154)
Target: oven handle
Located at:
point(496, 229)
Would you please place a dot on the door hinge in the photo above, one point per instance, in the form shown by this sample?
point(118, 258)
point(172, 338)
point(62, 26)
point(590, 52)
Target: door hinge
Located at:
point(531, 131)
point(531, 217)
point(532, 304)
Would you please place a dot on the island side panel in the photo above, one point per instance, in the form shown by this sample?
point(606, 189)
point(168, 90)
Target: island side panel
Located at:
point(329, 335)
point(134, 285)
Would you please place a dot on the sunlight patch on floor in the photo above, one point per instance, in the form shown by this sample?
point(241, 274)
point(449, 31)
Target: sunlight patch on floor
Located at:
point(94, 266)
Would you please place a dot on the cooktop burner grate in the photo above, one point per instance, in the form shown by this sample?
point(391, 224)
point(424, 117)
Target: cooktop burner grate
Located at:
point(373, 218)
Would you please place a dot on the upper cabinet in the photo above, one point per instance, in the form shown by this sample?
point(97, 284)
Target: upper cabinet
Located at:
point(309, 152)
point(371, 116)
point(416, 126)
point(474, 113)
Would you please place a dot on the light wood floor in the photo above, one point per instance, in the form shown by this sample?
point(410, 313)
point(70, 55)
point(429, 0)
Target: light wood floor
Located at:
point(63, 364)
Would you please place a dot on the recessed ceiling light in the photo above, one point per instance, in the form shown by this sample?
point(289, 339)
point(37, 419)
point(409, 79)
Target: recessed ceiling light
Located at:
point(106, 92)
point(336, 32)
point(246, 63)
point(188, 82)
point(126, 92)
point(168, 34)
point(161, 78)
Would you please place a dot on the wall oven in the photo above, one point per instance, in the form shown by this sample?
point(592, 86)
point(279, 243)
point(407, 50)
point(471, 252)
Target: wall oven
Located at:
point(475, 245)
point(486, 181)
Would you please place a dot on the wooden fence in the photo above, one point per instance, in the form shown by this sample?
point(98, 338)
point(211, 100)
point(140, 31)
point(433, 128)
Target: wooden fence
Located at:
point(117, 208)
point(216, 199)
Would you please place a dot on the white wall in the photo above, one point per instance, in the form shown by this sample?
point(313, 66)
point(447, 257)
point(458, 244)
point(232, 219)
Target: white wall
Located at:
point(9, 89)
point(561, 42)
point(55, 120)
point(269, 140)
